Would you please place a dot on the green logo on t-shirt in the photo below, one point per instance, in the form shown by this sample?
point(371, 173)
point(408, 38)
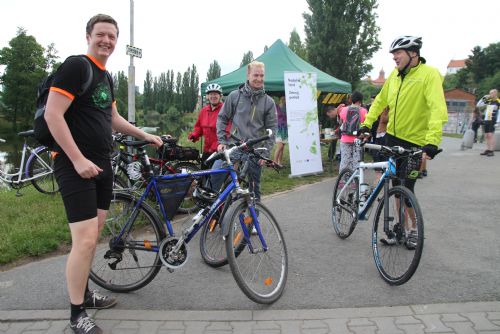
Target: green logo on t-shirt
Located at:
point(102, 96)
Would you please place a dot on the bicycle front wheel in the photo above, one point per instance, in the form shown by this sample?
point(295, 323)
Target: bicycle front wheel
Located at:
point(345, 204)
point(133, 261)
point(260, 267)
point(43, 163)
point(398, 242)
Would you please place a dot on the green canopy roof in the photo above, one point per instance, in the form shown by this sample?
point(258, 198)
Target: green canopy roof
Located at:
point(278, 59)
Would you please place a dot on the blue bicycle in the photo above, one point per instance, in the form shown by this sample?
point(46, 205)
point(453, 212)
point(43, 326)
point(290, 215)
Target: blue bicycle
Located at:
point(136, 244)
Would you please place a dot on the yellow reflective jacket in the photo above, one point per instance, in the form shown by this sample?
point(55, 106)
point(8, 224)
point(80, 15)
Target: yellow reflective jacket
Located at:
point(417, 107)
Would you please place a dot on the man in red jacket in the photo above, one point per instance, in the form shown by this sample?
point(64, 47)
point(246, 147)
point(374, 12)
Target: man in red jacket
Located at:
point(207, 119)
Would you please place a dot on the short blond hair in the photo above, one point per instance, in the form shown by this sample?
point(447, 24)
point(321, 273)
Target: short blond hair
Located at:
point(255, 63)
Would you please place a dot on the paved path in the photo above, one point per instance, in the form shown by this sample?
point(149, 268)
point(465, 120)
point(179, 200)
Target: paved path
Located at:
point(463, 318)
point(456, 288)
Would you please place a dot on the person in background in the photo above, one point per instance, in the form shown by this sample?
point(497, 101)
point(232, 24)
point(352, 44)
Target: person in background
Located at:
point(331, 113)
point(476, 122)
point(350, 153)
point(251, 112)
point(205, 125)
point(282, 130)
point(490, 104)
point(417, 112)
point(82, 128)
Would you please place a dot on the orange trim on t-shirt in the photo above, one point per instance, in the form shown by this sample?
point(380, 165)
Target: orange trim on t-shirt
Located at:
point(95, 61)
point(63, 92)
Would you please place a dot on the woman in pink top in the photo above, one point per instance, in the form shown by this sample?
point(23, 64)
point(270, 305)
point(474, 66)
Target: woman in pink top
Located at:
point(350, 155)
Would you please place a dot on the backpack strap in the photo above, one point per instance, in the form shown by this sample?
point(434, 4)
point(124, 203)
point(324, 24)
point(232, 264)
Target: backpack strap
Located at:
point(90, 78)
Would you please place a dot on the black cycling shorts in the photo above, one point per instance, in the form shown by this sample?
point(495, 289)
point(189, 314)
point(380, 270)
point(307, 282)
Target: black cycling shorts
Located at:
point(405, 167)
point(82, 197)
point(489, 127)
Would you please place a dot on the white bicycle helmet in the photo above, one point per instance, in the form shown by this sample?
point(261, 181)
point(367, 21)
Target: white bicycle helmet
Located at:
point(406, 42)
point(213, 87)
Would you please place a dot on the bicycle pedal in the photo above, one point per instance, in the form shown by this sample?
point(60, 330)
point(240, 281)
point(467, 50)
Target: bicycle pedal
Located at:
point(170, 270)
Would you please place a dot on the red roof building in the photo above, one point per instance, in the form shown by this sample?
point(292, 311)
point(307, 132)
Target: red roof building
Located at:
point(455, 65)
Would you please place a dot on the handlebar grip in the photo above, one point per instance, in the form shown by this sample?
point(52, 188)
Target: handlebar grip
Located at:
point(214, 156)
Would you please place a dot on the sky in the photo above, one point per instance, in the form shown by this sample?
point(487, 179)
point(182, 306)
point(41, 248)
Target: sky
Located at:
point(174, 35)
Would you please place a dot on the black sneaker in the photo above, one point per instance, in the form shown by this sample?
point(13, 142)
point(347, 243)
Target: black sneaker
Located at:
point(84, 325)
point(490, 154)
point(485, 152)
point(94, 299)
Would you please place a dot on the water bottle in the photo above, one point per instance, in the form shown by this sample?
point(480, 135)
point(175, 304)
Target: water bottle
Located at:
point(364, 192)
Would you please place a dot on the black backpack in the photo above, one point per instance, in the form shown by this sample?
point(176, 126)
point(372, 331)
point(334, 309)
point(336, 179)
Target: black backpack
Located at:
point(41, 130)
point(351, 125)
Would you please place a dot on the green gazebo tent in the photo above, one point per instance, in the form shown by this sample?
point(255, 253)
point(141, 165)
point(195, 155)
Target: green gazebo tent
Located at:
point(278, 59)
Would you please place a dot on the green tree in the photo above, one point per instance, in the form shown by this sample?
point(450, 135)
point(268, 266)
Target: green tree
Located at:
point(367, 89)
point(25, 67)
point(342, 36)
point(148, 101)
point(247, 59)
point(120, 83)
point(213, 71)
point(296, 45)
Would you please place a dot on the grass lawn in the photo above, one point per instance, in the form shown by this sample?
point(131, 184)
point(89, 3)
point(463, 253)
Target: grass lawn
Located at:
point(35, 224)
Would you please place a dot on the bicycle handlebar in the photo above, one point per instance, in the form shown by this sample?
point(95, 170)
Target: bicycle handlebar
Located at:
point(392, 149)
point(240, 146)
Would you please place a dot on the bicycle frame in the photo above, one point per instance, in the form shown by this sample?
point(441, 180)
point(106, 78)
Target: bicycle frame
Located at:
point(389, 168)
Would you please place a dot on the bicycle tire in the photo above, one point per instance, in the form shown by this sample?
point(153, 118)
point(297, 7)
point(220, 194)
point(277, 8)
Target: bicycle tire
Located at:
point(46, 184)
point(342, 220)
point(261, 274)
point(188, 204)
point(398, 262)
point(137, 266)
point(212, 245)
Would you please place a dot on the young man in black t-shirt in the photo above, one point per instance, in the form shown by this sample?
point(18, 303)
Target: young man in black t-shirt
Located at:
point(82, 126)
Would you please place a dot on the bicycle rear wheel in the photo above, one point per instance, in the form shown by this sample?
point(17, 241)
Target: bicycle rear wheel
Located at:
point(188, 204)
point(260, 272)
point(397, 250)
point(46, 184)
point(345, 205)
point(133, 261)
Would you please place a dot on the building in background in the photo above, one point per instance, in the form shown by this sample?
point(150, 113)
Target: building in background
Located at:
point(460, 105)
point(455, 65)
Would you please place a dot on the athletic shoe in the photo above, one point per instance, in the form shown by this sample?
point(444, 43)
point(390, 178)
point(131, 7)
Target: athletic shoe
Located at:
point(94, 299)
point(424, 172)
point(84, 325)
point(485, 152)
point(490, 154)
point(389, 241)
point(412, 239)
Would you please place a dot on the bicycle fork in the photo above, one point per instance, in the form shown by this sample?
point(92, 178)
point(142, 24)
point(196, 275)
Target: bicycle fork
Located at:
point(248, 223)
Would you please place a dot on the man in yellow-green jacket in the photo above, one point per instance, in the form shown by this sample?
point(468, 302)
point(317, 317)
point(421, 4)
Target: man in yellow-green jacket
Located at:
point(414, 94)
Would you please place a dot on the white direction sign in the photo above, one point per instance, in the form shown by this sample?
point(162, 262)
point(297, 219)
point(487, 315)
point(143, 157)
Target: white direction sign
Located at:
point(133, 51)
